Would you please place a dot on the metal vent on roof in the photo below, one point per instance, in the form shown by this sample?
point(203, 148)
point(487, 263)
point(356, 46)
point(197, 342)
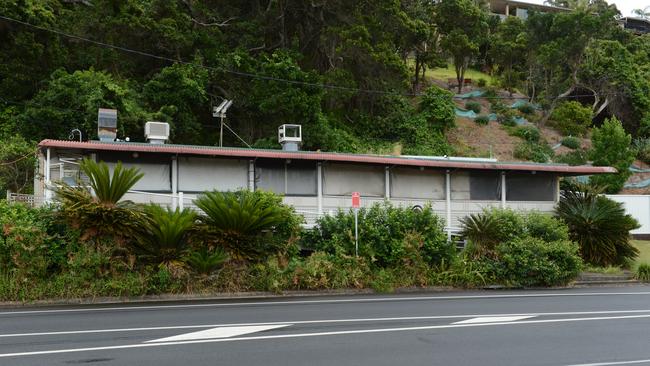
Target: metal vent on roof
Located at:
point(107, 124)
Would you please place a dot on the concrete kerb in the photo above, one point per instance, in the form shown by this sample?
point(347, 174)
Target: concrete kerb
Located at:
point(239, 296)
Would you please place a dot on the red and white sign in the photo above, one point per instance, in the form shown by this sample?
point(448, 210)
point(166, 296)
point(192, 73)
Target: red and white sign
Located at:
point(356, 199)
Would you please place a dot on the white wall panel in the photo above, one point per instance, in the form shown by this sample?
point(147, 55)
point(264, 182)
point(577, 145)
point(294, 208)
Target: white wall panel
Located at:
point(637, 206)
point(205, 174)
point(417, 184)
point(343, 179)
point(157, 177)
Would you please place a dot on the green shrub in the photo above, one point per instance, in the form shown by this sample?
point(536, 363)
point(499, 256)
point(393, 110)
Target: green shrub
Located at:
point(643, 272)
point(29, 247)
point(571, 118)
point(611, 146)
point(507, 118)
point(251, 225)
point(537, 152)
point(473, 106)
point(527, 109)
point(577, 157)
point(164, 234)
point(532, 262)
point(491, 93)
point(598, 224)
point(482, 120)
point(642, 148)
point(497, 107)
point(571, 142)
point(528, 133)
point(491, 227)
point(545, 227)
point(382, 232)
point(481, 83)
point(205, 260)
point(319, 271)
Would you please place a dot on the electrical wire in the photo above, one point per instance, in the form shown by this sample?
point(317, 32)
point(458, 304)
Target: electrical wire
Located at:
point(250, 75)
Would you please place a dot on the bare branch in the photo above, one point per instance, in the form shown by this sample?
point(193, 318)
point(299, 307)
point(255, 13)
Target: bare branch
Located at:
point(222, 24)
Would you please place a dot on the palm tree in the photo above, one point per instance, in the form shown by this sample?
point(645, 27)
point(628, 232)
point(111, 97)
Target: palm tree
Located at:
point(164, 234)
point(237, 219)
point(599, 225)
point(98, 209)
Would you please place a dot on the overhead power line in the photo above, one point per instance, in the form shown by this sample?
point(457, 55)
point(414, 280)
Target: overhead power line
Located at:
point(246, 74)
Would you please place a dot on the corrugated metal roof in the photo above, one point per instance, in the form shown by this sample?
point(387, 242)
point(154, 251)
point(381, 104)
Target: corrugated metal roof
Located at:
point(446, 163)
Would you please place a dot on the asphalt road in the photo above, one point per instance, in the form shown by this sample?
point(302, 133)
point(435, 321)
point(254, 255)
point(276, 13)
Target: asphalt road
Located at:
point(596, 326)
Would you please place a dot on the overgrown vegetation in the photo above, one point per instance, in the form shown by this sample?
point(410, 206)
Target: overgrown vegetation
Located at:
point(521, 250)
point(598, 224)
point(249, 241)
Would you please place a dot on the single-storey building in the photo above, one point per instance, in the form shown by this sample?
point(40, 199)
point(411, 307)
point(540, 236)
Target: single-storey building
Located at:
point(316, 183)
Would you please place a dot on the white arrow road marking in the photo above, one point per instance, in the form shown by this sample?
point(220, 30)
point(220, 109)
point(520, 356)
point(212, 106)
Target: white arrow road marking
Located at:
point(317, 321)
point(493, 319)
point(220, 332)
point(319, 334)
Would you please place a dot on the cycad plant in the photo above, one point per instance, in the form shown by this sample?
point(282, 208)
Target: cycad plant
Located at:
point(239, 218)
point(97, 210)
point(205, 261)
point(482, 231)
point(598, 224)
point(164, 235)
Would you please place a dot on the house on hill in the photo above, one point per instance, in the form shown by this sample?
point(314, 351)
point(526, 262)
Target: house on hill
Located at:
point(315, 183)
point(505, 8)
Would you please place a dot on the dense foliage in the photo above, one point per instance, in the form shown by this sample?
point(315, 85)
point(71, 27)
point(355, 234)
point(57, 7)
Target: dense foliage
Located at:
point(598, 224)
point(521, 249)
point(387, 235)
point(611, 146)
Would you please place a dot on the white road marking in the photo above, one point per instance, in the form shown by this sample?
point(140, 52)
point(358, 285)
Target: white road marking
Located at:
point(318, 334)
point(330, 301)
point(319, 321)
point(614, 363)
point(493, 319)
point(219, 332)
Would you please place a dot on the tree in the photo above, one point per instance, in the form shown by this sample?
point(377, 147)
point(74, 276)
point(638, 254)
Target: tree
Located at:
point(70, 101)
point(564, 36)
point(17, 163)
point(598, 224)
point(508, 48)
point(611, 146)
point(642, 13)
point(179, 94)
point(462, 25)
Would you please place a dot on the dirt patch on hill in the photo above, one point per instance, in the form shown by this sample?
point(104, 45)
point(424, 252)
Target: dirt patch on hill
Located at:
point(473, 140)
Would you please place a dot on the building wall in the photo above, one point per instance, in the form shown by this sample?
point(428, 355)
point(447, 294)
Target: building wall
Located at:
point(471, 191)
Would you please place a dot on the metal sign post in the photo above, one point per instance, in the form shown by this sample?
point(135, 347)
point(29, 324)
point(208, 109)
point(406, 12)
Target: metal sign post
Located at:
point(356, 202)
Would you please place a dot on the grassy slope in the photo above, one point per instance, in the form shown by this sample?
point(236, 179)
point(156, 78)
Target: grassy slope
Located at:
point(450, 73)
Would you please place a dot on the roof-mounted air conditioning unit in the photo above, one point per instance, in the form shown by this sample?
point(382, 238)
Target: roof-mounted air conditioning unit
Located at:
point(290, 136)
point(156, 132)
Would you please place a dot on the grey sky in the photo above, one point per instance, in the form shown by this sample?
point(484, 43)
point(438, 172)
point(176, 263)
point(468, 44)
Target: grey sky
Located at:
point(625, 6)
